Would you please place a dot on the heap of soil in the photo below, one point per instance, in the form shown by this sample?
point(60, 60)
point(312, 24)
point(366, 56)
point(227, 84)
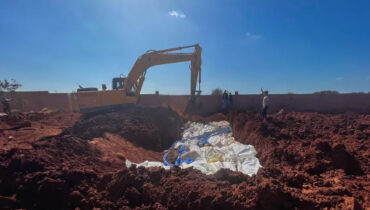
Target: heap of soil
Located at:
point(151, 128)
point(321, 159)
point(310, 161)
point(55, 161)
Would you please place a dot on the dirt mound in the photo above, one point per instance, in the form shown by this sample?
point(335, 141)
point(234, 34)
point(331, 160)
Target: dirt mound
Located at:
point(324, 157)
point(48, 172)
point(61, 169)
point(151, 128)
point(187, 189)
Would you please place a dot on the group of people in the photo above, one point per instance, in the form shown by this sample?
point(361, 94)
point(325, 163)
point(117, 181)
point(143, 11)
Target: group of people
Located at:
point(227, 102)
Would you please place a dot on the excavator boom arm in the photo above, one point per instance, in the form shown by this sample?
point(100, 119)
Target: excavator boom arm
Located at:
point(136, 77)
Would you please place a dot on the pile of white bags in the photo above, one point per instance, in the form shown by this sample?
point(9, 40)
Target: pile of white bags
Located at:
point(208, 148)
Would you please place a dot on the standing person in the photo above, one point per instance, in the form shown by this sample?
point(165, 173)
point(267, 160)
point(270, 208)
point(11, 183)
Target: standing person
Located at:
point(230, 100)
point(265, 102)
point(224, 100)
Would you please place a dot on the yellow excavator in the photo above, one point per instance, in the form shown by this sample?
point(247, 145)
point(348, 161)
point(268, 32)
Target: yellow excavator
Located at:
point(126, 90)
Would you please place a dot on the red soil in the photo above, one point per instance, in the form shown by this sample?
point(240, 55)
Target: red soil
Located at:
point(26, 129)
point(310, 161)
point(151, 128)
point(321, 160)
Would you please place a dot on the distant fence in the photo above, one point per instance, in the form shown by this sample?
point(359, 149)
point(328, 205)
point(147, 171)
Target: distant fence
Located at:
point(323, 103)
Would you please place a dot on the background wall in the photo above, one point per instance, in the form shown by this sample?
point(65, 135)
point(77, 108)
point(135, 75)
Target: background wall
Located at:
point(37, 100)
point(324, 103)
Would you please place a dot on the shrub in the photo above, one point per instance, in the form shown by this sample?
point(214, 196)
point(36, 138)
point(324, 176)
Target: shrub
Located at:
point(217, 92)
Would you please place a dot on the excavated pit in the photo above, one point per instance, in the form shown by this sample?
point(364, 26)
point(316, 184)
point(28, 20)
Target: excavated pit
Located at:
point(151, 128)
point(65, 161)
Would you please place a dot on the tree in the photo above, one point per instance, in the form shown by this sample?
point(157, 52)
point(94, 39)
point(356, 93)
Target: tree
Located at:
point(216, 92)
point(7, 86)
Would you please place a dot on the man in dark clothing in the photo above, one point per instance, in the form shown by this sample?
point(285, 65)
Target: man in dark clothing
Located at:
point(230, 100)
point(224, 100)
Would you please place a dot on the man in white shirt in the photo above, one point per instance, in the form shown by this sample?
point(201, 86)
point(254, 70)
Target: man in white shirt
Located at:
point(265, 102)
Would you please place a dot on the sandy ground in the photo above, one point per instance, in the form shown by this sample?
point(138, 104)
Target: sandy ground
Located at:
point(67, 160)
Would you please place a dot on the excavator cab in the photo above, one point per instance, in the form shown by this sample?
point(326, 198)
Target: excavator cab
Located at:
point(117, 82)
